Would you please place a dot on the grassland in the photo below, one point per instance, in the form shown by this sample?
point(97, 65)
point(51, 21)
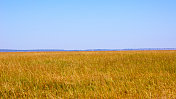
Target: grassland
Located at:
point(109, 74)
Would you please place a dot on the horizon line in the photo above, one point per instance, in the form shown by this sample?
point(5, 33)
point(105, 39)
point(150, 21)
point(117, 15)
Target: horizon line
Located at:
point(49, 50)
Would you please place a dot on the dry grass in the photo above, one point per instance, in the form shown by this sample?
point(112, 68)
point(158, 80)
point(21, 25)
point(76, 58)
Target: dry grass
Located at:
point(111, 74)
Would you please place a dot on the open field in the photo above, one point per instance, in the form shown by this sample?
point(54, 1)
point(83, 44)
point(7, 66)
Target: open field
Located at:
point(104, 74)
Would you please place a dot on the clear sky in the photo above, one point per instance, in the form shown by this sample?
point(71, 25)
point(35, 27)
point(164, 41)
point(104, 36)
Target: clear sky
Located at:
point(87, 24)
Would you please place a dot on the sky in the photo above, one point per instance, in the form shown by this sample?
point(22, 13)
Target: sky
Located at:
point(87, 24)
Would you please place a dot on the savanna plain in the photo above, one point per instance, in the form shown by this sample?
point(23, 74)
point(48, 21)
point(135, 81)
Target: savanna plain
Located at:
point(91, 74)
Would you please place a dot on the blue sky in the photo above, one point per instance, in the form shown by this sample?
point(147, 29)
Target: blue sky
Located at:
point(87, 24)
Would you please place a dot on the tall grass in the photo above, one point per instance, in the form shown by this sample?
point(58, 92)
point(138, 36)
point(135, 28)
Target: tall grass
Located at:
point(104, 74)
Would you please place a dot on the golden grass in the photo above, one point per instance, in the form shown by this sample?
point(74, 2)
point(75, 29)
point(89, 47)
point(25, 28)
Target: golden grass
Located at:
point(104, 74)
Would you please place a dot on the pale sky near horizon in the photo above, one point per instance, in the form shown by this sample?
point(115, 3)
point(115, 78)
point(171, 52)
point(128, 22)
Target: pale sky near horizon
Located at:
point(87, 24)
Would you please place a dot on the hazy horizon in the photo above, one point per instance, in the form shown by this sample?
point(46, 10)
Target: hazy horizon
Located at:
point(88, 24)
